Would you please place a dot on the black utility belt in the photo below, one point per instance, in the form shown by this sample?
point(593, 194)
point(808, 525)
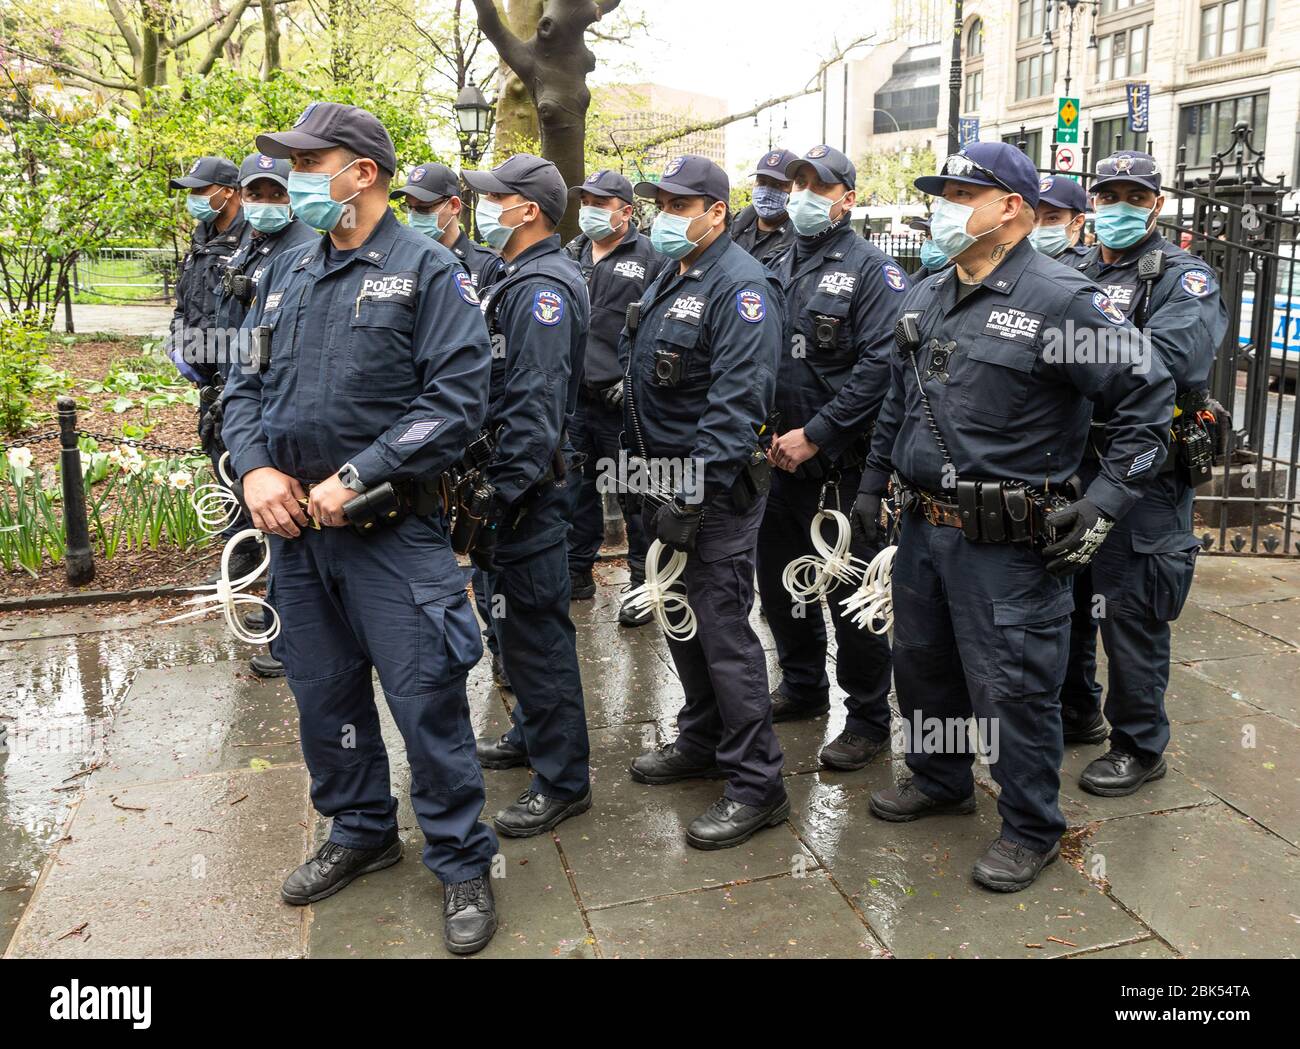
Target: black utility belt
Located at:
point(985, 511)
point(390, 503)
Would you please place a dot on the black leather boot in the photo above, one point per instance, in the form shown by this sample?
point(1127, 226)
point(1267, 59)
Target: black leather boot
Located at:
point(532, 813)
point(469, 915)
point(266, 665)
point(907, 802)
point(500, 753)
point(1008, 866)
point(1092, 731)
point(849, 752)
point(727, 823)
point(582, 585)
point(1117, 774)
point(665, 765)
point(786, 709)
point(334, 867)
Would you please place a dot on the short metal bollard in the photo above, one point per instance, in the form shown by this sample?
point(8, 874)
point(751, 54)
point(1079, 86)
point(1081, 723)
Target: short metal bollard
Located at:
point(78, 558)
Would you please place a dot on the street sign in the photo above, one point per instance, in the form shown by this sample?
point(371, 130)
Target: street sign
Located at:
point(1066, 158)
point(1067, 120)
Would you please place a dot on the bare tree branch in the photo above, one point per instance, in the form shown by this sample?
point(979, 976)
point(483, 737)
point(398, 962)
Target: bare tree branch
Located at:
point(219, 41)
point(509, 47)
point(124, 27)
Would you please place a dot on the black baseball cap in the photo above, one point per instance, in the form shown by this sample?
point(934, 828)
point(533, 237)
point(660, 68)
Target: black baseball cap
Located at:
point(605, 184)
point(919, 223)
point(986, 164)
point(830, 164)
point(429, 182)
point(1062, 192)
point(207, 171)
point(689, 176)
point(1128, 165)
point(773, 164)
point(259, 165)
point(324, 125)
point(531, 177)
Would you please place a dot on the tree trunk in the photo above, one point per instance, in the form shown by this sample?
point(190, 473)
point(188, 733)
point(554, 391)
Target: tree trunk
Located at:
point(516, 117)
point(270, 41)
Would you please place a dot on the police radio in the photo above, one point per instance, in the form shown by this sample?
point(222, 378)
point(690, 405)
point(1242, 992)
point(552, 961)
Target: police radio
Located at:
point(261, 346)
point(238, 285)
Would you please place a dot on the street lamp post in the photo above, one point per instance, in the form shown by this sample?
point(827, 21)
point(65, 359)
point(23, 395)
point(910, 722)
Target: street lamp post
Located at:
point(474, 118)
point(1072, 8)
point(954, 79)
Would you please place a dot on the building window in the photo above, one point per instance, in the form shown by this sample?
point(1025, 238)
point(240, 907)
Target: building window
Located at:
point(1029, 22)
point(975, 38)
point(1206, 127)
point(1236, 25)
point(1109, 7)
point(1104, 134)
point(1035, 75)
point(1033, 144)
point(974, 91)
point(1122, 54)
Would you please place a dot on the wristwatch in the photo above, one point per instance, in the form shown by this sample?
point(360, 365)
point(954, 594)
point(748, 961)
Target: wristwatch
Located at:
point(350, 478)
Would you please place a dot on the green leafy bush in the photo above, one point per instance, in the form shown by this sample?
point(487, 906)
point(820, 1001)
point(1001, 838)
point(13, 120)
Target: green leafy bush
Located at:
point(24, 347)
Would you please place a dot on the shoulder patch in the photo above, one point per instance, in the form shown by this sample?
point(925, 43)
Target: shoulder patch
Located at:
point(465, 288)
point(750, 306)
point(548, 308)
point(1106, 308)
point(894, 278)
point(1196, 283)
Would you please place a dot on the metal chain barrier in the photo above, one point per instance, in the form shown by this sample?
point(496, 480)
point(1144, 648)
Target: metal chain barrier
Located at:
point(103, 438)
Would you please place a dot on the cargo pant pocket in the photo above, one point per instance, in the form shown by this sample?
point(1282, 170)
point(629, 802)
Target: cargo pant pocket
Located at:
point(1169, 562)
point(1029, 646)
point(447, 640)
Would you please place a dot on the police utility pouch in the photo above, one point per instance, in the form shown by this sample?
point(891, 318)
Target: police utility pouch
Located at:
point(992, 522)
point(378, 506)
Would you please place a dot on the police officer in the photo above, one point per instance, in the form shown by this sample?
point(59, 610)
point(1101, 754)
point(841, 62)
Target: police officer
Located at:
point(987, 414)
point(843, 296)
point(264, 194)
point(703, 351)
point(370, 379)
point(618, 262)
point(538, 314)
point(194, 342)
point(1140, 578)
point(763, 228)
point(1059, 218)
point(434, 207)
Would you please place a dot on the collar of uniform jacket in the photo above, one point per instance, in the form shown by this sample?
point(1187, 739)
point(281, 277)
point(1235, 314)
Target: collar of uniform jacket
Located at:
point(711, 255)
point(374, 250)
point(207, 235)
point(1002, 280)
point(542, 247)
point(1130, 255)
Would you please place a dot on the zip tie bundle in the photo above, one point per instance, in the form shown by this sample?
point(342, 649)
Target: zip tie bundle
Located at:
point(215, 504)
point(873, 601)
point(657, 596)
point(808, 578)
point(227, 594)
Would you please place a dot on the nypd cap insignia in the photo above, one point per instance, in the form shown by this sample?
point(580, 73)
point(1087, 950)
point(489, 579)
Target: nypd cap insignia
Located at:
point(894, 278)
point(305, 114)
point(750, 306)
point(548, 308)
point(1196, 282)
point(1107, 309)
point(817, 152)
point(773, 160)
point(195, 166)
point(1045, 184)
point(417, 175)
point(674, 167)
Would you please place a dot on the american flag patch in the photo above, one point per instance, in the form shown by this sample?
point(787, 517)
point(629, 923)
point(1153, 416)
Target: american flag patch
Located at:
point(419, 431)
point(1142, 461)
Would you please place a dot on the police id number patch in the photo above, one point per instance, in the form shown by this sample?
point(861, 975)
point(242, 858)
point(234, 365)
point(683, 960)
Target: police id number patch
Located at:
point(465, 288)
point(1196, 283)
point(1102, 304)
point(548, 308)
point(390, 287)
point(1012, 323)
point(750, 306)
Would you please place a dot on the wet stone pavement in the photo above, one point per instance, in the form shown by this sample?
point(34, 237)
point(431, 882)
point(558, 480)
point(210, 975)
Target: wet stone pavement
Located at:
point(153, 796)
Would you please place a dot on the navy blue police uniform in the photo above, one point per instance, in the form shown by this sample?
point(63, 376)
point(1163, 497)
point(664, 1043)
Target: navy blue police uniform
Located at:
point(722, 322)
point(1143, 573)
point(843, 296)
point(538, 314)
point(620, 277)
point(766, 245)
point(981, 627)
point(378, 359)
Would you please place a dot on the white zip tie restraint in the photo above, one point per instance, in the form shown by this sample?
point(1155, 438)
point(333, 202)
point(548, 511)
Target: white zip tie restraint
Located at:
point(228, 594)
point(657, 596)
point(215, 504)
point(808, 578)
point(871, 606)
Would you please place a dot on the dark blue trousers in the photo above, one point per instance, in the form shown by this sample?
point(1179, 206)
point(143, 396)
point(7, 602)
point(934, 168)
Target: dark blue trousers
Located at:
point(595, 431)
point(392, 602)
point(479, 583)
point(862, 663)
point(529, 597)
point(727, 714)
point(1137, 585)
point(981, 629)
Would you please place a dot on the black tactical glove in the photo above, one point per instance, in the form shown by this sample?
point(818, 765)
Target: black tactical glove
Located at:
point(485, 545)
point(865, 518)
point(613, 395)
point(676, 525)
point(210, 426)
point(1085, 528)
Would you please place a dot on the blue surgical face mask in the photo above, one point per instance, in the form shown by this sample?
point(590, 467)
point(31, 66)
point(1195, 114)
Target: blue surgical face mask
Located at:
point(594, 222)
point(1050, 240)
point(426, 222)
point(310, 198)
point(770, 202)
point(948, 222)
point(1122, 225)
point(489, 223)
point(201, 209)
point(267, 218)
point(932, 256)
point(811, 212)
point(668, 235)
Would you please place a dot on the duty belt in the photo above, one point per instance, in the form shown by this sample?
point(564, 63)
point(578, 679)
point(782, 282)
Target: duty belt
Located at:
point(985, 511)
